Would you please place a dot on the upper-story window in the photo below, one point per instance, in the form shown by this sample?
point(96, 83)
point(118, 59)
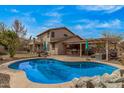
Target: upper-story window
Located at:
point(52, 34)
point(65, 35)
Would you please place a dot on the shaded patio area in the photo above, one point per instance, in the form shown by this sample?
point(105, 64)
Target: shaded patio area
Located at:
point(108, 47)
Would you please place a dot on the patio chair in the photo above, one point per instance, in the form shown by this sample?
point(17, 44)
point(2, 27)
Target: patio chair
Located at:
point(42, 53)
point(45, 54)
point(39, 53)
point(113, 54)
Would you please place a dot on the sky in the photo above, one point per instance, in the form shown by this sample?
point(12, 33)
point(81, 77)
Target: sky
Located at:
point(85, 21)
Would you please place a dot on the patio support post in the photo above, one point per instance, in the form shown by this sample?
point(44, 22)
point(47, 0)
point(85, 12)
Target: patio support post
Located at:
point(80, 49)
point(33, 44)
point(107, 54)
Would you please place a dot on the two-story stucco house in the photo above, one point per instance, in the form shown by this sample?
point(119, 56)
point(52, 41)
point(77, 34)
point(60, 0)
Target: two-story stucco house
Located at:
point(62, 41)
point(56, 39)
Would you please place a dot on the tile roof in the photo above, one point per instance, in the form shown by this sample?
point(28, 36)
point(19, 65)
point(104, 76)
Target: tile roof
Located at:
point(57, 29)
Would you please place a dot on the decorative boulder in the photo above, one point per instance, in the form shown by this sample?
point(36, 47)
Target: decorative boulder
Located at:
point(85, 79)
point(96, 82)
point(113, 85)
point(82, 82)
point(120, 80)
point(105, 81)
point(105, 78)
point(74, 81)
point(112, 81)
point(90, 84)
point(115, 76)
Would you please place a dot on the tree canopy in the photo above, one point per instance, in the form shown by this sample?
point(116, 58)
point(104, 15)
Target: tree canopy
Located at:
point(19, 28)
point(107, 34)
point(10, 38)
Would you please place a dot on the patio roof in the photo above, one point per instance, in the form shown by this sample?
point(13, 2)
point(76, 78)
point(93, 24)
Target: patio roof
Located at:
point(94, 41)
point(63, 39)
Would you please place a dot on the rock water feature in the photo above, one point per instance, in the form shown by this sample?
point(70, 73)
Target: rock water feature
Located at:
point(114, 80)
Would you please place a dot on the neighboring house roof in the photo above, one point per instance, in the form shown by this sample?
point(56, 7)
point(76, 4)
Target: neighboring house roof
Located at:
point(57, 29)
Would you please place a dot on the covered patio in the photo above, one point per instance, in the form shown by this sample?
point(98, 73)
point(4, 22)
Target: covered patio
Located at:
point(75, 48)
point(100, 45)
point(35, 45)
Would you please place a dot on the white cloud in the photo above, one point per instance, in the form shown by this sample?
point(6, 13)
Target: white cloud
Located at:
point(58, 8)
point(94, 28)
point(55, 19)
point(27, 13)
point(14, 11)
point(94, 24)
point(52, 23)
point(53, 14)
point(79, 27)
point(104, 8)
point(112, 24)
point(28, 20)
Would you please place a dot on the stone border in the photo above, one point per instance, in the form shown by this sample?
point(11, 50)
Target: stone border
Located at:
point(27, 83)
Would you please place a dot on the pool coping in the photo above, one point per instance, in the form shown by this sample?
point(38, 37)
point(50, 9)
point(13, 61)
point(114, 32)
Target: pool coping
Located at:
point(21, 77)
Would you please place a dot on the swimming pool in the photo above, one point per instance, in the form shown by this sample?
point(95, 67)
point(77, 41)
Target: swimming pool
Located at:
point(51, 71)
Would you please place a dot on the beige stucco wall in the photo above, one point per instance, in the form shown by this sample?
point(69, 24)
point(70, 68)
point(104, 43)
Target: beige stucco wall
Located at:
point(60, 33)
point(59, 47)
point(55, 51)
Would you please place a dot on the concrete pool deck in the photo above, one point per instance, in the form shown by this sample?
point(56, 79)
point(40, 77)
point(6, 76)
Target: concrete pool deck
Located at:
point(18, 78)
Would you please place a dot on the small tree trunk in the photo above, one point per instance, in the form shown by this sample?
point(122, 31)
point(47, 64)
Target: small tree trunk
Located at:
point(12, 52)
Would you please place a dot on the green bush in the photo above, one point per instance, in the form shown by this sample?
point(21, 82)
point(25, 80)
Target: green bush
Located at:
point(10, 39)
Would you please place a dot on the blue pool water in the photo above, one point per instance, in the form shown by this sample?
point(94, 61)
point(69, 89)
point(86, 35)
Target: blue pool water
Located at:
point(51, 71)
